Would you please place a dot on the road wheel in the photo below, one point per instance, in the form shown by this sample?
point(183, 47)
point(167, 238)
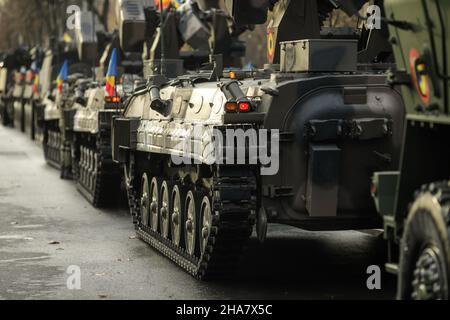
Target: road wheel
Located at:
point(206, 223)
point(128, 172)
point(191, 223)
point(165, 210)
point(145, 200)
point(176, 215)
point(154, 205)
point(425, 248)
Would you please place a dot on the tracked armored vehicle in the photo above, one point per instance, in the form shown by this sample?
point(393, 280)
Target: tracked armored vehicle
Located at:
point(414, 201)
point(46, 95)
point(12, 79)
point(98, 177)
point(60, 107)
point(57, 127)
point(17, 112)
point(3, 92)
point(210, 155)
point(31, 93)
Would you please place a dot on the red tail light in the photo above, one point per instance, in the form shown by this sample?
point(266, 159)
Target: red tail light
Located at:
point(244, 106)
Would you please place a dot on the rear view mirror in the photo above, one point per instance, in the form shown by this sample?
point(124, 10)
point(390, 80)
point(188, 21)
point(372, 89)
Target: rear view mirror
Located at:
point(248, 12)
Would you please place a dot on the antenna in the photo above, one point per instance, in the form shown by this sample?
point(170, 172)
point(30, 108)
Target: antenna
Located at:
point(161, 34)
point(94, 34)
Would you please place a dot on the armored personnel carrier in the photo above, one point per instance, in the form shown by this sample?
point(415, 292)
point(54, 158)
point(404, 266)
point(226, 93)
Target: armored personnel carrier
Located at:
point(17, 112)
point(414, 201)
point(3, 92)
point(98, 176)
point(60, 108)
point(12, 78)
point(31, 93)
point(57, 149)
point(4, 79)
point(43, 94)
point(210, 155)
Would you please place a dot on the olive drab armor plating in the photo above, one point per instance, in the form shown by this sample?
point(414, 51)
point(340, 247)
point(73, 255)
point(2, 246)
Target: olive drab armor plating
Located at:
point(414, 200)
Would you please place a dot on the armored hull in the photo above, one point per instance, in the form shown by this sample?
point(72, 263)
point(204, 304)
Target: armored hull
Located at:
point(59, 118)
point(328, 133)
point(18, 112)
point(58, 126)
point(29, 112)
point(38, 116)
point(98, 177)
point(5, 109)
point(52, 139)
point(3, 95)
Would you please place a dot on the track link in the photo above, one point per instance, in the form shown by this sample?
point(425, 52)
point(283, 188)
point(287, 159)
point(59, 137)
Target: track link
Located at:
point(52, 148)
point(98, 177)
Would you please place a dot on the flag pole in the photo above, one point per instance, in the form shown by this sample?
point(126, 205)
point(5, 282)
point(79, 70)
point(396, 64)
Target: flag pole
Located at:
point(161, 34)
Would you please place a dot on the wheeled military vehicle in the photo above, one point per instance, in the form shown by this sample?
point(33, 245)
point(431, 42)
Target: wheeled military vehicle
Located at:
point(209, 155)
point(414, 201)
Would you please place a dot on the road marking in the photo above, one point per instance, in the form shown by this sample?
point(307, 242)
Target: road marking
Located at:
point(15, 237)
point(24, 259)
point(31, 226)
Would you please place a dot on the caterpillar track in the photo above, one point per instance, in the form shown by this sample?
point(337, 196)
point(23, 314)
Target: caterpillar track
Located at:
point(57, 150)
point(232, 194)
point(52, 145)
point(98, 177)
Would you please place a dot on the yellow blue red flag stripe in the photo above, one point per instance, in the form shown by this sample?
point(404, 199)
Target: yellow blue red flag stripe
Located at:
point(112, 74)
point(63, 75)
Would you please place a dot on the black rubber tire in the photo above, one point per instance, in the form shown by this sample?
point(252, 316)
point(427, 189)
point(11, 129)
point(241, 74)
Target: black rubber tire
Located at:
point(427, 226)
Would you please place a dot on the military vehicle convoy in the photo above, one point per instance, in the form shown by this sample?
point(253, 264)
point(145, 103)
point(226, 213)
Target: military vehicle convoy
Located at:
point(414, 201)
point(210, 150)
point(209, 155)
point(134, 55)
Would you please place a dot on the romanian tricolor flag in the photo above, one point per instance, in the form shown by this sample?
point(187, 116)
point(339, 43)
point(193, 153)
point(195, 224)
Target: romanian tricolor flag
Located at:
point(36, 83)
point(63, 76)
point(112, 75)
point(167, 3)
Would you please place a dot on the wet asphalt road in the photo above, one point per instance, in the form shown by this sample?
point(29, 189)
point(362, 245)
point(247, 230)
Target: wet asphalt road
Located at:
point(47, 226)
